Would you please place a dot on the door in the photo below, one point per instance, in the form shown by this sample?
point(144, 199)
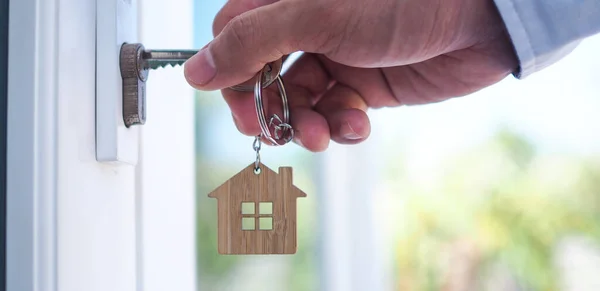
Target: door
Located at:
point(74, 223)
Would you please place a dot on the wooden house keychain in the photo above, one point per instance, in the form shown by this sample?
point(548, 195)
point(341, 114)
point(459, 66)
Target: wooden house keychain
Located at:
point(257, 206)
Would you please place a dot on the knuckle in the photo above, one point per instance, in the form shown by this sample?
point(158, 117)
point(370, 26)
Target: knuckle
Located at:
point(219, 22)
point(244, 31)
point(332, 19)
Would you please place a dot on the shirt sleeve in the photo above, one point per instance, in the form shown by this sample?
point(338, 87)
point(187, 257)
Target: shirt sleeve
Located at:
point(545, 31)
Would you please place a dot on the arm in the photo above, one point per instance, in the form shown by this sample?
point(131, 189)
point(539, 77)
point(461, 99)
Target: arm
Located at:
point(545, 31)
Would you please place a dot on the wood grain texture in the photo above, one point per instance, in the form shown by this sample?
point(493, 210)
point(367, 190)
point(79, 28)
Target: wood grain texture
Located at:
point(248, 187)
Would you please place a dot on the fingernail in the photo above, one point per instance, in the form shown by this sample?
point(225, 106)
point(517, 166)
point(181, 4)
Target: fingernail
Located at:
point(348, 132)
point(200, 69)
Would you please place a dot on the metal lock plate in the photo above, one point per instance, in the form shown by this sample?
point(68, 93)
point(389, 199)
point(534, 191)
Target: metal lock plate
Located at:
point(134, 75)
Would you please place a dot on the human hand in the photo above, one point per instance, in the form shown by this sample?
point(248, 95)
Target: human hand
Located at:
point(360, 54)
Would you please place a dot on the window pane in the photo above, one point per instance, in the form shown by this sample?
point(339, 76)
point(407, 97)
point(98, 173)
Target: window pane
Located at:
point(265, 208)
point(248, 208)
point(248, 223)
point(265, 223)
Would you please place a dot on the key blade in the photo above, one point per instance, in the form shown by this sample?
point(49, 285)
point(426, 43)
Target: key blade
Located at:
point(155, 59)
point(153, 65)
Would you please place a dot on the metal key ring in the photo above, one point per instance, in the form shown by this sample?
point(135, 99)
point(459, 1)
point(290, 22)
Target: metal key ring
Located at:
point(283, 130)
point(270, 73)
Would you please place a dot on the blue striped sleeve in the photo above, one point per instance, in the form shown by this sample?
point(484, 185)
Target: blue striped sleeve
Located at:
point(545, 31)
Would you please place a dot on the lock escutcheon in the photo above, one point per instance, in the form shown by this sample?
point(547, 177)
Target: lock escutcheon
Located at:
point(134, 75)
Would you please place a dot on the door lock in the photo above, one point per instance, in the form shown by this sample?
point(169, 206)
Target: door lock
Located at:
point(136, 63)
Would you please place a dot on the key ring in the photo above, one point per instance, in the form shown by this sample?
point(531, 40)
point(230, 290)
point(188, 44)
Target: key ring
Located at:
point(270, 74)
point(283, 131)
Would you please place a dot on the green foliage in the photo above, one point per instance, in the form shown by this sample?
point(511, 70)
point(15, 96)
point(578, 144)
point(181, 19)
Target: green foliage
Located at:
point(512, 204)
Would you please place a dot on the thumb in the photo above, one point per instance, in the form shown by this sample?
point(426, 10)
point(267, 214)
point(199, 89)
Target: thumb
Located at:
point(253, 39)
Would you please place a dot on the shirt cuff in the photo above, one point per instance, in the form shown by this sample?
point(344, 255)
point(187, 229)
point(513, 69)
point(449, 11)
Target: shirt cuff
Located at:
point(543, 32)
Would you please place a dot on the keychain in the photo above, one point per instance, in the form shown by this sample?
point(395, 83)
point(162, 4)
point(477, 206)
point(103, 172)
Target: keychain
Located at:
point(257, 206)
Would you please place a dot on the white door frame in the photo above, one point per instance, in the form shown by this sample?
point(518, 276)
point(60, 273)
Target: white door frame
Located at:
point(31, 146)
point(72, 223)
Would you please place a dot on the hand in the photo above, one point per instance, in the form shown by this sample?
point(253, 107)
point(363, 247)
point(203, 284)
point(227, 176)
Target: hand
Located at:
point(360, 54)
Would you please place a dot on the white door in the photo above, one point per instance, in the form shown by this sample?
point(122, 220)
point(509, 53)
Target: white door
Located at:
point(73, 223)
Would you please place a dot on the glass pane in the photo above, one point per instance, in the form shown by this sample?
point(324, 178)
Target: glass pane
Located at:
point(248, 208)
point(265, 223)
point(265, 208)
point(248, 223)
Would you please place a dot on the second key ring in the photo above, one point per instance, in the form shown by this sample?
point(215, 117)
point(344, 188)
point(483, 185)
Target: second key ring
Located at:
point(283, 131)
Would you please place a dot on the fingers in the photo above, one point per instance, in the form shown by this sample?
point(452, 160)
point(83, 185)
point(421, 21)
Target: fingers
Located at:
point(344, 109)
point(372, 84)
point(310, 128)
point(305, 82)
point(308, 73)
point(254, 38)
point(243, 110)
point(319, 113)
point(342, 106)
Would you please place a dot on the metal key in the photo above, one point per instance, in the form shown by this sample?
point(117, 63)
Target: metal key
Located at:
point(136, 62)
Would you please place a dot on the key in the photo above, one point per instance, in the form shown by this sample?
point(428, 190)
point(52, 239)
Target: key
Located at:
point(136, 63)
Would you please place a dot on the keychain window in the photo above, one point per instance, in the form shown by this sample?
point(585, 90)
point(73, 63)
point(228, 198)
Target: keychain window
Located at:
point(248, 208)
point(248, 223)
point(265, 208)
point(250, 216)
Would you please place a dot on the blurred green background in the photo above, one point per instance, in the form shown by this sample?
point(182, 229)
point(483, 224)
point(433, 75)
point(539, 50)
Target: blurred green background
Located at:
point(500, 205)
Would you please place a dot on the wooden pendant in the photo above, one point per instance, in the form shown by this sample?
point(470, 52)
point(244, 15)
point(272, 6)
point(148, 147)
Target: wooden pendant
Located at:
point(257, 212)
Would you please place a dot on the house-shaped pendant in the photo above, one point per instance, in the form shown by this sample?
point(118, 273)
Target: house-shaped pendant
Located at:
point(257, 212)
